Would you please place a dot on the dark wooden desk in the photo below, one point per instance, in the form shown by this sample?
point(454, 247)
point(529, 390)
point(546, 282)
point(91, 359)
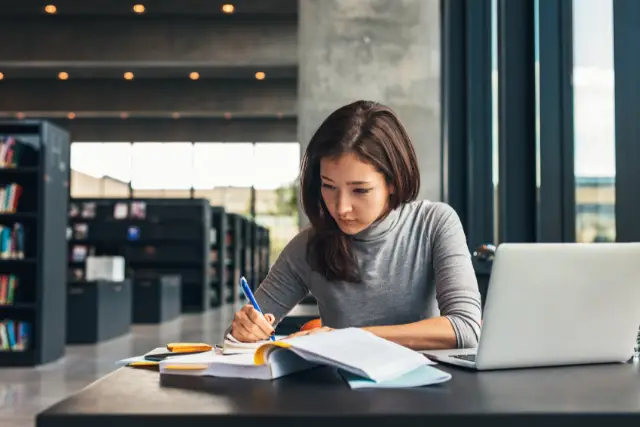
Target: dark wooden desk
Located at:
point(318, 397)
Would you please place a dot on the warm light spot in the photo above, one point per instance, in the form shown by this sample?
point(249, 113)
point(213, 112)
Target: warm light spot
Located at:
point(20, 115)
point(138, 8)
point(124, 115)
point(128, 75)
point(1, 76)
point(194, 75)
point(260, 75)
point(71, 116)
point(175, 115)
point(227, 116)
point(63, 75)
point(228, 8)
point(50, 9)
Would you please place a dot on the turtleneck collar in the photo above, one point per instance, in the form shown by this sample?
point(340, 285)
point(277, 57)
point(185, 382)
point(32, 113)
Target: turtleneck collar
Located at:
point(379, 228)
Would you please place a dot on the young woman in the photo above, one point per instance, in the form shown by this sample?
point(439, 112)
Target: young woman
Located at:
point(373, 257)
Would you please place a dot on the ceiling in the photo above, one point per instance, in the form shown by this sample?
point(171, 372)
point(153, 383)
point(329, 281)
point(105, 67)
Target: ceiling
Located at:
point(95, 42)
point(263, 9)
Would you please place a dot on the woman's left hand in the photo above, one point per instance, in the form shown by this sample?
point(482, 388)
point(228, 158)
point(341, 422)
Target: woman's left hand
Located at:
point(311, 331)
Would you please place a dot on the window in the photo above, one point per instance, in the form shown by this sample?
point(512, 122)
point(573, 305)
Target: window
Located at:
point(100, 169)
point(162, 169)
point(593, 79)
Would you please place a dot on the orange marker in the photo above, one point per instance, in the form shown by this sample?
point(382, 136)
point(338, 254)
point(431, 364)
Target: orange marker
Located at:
point(188, 347)
point(194, 367)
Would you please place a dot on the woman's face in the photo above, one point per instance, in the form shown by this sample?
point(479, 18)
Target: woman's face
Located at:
point(355, 193)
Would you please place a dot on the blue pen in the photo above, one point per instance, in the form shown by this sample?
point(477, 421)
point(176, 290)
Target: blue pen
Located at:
point(247, 293)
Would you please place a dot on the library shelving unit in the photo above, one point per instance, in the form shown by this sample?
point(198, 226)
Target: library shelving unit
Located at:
point(34, 181)
point(263, 247)
point(233, 257)
point(217, 260)
point(156, 237)
point(247, 252)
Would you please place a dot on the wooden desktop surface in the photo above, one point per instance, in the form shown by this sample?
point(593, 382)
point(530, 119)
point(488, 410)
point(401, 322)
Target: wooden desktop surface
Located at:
point(318, 397)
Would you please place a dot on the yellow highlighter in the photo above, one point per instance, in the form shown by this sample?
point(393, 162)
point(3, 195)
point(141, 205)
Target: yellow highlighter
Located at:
point(187, 367)
point(188, 347)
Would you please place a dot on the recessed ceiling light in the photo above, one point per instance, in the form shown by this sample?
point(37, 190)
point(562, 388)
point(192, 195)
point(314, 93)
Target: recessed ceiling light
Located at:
point(1, 76)
point(124, 115)
point(228, 8)
point(51, 9)
point(128, 75)
point(62, 75)
point(20, 115)
point(194, 75)
point(227, 116)
point(71, 116)
point(175, 115)
point(260, 75)
point(138, 8)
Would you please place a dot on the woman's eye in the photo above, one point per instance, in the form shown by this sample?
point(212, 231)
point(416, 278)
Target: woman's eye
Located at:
point(330, 187)
point(361, 190)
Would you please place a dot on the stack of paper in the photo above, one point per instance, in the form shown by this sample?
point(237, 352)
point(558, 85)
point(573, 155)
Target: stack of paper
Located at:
point(364, 359)
point(233, 346)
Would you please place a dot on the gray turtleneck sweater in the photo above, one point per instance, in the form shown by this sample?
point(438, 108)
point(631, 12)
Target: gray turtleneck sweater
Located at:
point(414, 263)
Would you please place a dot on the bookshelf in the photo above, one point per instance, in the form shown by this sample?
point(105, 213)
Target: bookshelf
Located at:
point(156, 237)
point(233, 258)
point(34, 184)
point(263, 249)
point(247, 252)
point(217, 260)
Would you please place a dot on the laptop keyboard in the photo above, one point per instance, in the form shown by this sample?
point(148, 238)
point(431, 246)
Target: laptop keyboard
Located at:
point(467, 357)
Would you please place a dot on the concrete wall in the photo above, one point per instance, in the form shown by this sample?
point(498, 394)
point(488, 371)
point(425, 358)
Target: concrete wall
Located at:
point(386, 51)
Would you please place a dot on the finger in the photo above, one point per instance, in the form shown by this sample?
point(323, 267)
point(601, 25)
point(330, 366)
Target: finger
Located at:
point(247, 334)
point(270, 318)
point(260, 321)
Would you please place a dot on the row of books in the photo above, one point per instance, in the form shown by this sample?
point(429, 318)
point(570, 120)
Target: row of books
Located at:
point(12, 241)
point(121, 210)
point(8, 285)
point(10, 152)
point(14, 335)
point(9, 197)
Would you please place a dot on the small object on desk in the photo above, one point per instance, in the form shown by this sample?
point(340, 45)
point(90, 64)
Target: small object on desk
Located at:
point(247, 292)
point(188, 347)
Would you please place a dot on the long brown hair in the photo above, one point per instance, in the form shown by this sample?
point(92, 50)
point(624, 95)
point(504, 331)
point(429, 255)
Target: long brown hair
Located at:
point(374, 133)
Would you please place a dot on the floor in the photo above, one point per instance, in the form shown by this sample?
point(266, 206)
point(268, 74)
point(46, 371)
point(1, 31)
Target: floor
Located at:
point(26, 392)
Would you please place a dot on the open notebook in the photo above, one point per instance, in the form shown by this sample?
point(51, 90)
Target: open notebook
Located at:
point(232, 346)
point(352, 350)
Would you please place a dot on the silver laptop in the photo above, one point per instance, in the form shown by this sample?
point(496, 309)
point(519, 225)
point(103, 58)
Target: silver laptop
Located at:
point(557, 304)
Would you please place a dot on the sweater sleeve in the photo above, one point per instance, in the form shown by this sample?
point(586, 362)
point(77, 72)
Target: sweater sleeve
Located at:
point(284, 287)
point(456, 284)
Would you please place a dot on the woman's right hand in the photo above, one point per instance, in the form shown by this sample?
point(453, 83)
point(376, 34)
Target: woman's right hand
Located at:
point(249, 325)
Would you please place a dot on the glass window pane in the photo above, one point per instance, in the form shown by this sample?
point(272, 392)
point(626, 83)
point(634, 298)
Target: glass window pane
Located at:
point(208, 164)
point(276, 164)
point(86, 157)
point(116, 159)
point(162, 166)
point(593, 85)
point(494, 116)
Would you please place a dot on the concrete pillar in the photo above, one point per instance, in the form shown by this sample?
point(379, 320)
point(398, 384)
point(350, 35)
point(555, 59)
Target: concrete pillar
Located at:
point(386, 51)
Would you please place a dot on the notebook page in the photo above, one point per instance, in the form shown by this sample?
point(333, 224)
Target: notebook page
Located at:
point(359, 351)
